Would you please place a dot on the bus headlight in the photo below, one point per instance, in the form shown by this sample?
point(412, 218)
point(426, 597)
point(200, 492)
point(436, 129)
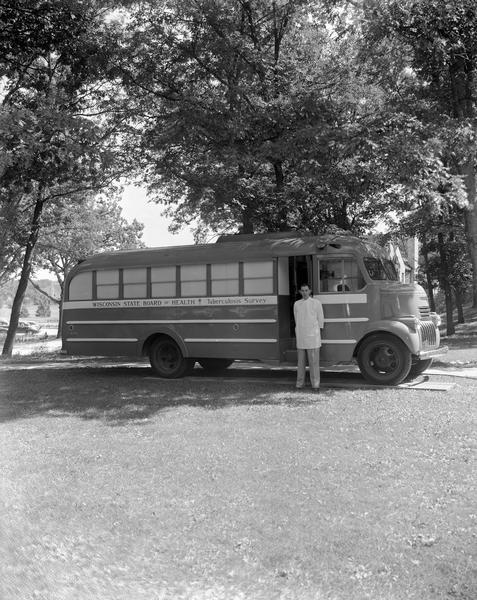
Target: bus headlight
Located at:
point(436, 319)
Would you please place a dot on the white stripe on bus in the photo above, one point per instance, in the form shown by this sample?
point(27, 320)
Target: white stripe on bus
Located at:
point(338, 341)
point(241, 340)
point(348, 320)
point(259, 340)
point(197, 302)
point(204, 301)
point(191, 321)
point(168, 321)
point(343, 298)
point(102, 340)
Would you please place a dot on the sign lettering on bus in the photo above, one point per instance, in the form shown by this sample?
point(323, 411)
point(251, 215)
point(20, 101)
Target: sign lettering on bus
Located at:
point(173, 302)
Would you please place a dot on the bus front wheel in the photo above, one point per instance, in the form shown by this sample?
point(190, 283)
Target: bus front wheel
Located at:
point(384, 360)
point(167, 359)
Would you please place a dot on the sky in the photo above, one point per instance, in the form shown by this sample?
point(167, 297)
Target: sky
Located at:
point(136, 206)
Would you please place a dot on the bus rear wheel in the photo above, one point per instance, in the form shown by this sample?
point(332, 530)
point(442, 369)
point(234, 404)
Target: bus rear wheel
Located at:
point(215, 364)
point(167, 359)
point(384, 360)
point(419, 367)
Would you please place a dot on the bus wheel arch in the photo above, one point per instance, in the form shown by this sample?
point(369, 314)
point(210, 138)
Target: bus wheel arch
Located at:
point(167, 356)
point(383, 358)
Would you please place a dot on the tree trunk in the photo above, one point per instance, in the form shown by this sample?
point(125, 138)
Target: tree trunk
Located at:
point(459, 306)
point(430, 289)
point(24, 277)
point(445, 285)
point(282, 215)
point(471, 231)
point(430, 292)
point(60, 323)
point(470, 217)
point(247, 223)
point(60, 313)
point(450, 329)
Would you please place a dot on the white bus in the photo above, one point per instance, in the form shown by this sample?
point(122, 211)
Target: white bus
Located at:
point(232, 300)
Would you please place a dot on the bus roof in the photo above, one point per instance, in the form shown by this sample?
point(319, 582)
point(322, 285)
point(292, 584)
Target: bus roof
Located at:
point(231, 248)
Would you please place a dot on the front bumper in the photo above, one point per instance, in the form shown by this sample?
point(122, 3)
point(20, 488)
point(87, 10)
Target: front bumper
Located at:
point(423, 354)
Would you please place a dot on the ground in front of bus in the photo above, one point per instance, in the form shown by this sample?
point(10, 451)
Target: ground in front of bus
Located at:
point(117, 485)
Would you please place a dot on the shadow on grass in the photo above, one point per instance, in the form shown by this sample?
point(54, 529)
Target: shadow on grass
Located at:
point(121, 394)
point(461, 342)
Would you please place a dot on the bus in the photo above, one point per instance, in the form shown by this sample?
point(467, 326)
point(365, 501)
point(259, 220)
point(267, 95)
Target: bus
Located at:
point(233, 300)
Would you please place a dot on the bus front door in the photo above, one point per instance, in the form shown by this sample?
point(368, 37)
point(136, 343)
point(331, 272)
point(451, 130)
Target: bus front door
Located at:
point(292, 274)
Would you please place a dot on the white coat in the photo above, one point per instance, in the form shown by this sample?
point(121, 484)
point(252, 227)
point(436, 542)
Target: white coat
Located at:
point(308, 322)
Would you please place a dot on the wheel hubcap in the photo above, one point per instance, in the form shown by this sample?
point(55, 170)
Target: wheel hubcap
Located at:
point(384, 359)
point(168, 358)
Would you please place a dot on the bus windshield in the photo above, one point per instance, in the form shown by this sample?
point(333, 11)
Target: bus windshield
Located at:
point(380, 270)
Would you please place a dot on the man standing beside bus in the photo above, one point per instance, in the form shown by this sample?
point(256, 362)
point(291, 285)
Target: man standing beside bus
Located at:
point(309, 321)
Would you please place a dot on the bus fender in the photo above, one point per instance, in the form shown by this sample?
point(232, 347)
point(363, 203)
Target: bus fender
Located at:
point(168, 332)
point(395, 328)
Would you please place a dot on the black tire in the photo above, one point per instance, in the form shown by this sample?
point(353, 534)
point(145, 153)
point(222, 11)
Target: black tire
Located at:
point(419, 367)
point(384, 359)
point(167, 359)
point(215, 364)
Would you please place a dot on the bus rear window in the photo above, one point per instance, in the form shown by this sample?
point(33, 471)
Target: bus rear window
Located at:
point(81, 286)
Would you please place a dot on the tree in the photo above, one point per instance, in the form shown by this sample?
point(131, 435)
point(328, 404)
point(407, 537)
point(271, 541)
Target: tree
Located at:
point(51, 146)
point(43, 307)
point(12, 233)
point(437, 220)
point(72, 231)
point(439, 41)
point(252, 115)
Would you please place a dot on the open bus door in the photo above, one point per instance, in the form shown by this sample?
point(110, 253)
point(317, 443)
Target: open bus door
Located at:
point(292, 276)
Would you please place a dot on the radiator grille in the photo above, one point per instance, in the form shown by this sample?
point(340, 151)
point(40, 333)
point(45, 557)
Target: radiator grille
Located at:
point(427, 333)
point(424, 313)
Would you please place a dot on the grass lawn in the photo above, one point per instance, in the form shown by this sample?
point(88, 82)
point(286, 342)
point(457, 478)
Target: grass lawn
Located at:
point(116, 485)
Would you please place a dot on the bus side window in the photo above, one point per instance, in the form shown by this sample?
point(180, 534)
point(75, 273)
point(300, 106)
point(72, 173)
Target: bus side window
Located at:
point(193, 280)
point(107, 284)
point(340, 276)
point(135, 283)
point(258, 277)
point(81, 286)
point(353, 277)
point(163, 282)
point(224, 279)
point(330, 275)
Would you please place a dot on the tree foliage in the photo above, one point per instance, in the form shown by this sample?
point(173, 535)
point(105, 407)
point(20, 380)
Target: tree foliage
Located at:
point(51, 148)
point(251, 114)
point(436, 219)
point(439, 42)
point(72, 231)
